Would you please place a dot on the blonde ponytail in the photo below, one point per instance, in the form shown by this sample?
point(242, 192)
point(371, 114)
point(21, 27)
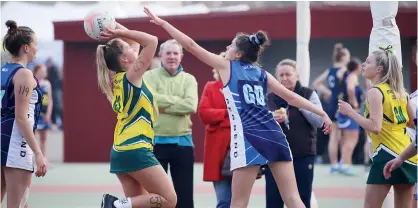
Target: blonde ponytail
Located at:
point(103, 77)
point(394, 77)
point(392, 72)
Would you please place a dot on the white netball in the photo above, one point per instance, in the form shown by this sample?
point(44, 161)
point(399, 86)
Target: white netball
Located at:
point(96, 21)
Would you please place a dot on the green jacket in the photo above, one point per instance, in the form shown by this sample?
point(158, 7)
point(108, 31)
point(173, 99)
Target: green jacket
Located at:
point(177, 96)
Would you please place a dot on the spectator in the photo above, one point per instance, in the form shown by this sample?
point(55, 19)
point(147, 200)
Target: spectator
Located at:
point(54, 76)
point(176, 95)
point(300, 127)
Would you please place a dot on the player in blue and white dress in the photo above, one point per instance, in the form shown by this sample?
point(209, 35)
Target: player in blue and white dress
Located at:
point(351, 93)
point(20, 104)
point(256, 138)
point(333, 77)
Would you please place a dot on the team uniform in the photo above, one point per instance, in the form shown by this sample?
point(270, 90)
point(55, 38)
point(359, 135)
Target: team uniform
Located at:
point(42, 124)
point(391, 141)
point(134, 134)
point(344, 121)
point(333, 84)
point(15, 152)
point(256, 138)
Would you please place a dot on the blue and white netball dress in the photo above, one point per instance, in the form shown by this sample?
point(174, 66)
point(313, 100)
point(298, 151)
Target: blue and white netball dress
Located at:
point(15, 152)
point(256, 138)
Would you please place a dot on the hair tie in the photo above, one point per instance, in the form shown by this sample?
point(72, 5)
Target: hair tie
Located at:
point(254, 39)
point(387, 49)
point(106, 46)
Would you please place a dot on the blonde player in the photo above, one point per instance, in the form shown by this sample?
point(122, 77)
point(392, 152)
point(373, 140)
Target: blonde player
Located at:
point(409, 152)
point(120, 70)
point(388, 112)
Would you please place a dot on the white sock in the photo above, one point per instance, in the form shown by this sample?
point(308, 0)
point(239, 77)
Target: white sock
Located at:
point(123, 203)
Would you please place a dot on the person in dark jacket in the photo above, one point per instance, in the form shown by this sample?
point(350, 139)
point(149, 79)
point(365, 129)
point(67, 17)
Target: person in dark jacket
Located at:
point(300, 127)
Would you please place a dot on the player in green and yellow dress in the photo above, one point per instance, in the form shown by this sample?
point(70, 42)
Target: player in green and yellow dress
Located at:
point(120, 70)
point(388, 113)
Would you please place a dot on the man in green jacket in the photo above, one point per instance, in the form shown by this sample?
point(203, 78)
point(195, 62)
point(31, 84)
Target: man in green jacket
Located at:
point(176, 95)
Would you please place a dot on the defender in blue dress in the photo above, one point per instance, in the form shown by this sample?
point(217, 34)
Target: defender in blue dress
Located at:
point(15, 153)
point(20, 105)
point(330, 91)
point(334, 85)
point(353, 94)
point(256, 138)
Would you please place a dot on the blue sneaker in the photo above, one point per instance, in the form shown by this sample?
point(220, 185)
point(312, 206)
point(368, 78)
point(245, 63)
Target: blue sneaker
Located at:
point(347, 170)
point(334, 169)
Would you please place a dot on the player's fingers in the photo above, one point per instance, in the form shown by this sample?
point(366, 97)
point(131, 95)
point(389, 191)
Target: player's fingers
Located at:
point(106, 34)
point(148, 12)
point(44, 170)
point(386, 168)
point(327, 129)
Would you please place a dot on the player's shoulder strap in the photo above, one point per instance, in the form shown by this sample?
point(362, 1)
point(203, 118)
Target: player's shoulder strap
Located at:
point(381, 90)
point(6, 93)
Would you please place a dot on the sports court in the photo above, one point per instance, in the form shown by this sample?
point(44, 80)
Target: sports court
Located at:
point(81, 185)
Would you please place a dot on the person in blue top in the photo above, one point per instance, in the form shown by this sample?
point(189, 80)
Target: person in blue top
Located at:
point(333, 76)
point(352, 93)
point(256, 138)
point(21, 98)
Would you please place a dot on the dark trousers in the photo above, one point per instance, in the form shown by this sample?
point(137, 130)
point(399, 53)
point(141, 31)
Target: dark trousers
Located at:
point(181, 161)
point(304, 172)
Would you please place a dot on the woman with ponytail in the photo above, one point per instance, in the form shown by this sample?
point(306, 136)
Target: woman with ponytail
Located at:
point(256, 138)
point(332, 78)
point(119, 71)
point(350, 130)
point(388, 112)
point(21, 98)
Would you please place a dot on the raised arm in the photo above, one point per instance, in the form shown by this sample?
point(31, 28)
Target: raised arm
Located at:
point(144, 60)
point(211, 59)
point(134, 45)
point(297, 101)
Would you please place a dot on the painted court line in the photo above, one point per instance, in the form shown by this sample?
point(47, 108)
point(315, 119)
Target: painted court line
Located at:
point(320, 192)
